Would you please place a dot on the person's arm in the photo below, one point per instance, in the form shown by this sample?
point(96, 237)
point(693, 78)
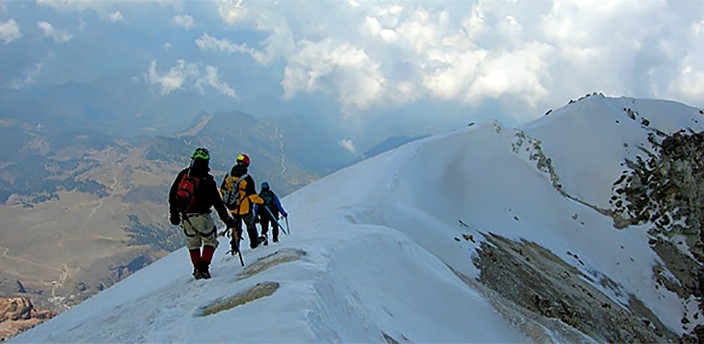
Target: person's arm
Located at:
point(279, 206)
point(256, 199)
point(217, 202)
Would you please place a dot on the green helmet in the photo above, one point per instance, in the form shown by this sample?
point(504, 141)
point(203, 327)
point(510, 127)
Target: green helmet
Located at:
point(201, 153)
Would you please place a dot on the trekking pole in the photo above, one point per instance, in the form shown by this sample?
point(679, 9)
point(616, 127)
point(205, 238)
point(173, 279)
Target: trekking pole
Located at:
point(239, 252)
point(275, 220)
point(238, 238)
point(287, 227)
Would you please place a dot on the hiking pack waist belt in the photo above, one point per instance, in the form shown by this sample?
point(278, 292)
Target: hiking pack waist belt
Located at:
point(190, 215)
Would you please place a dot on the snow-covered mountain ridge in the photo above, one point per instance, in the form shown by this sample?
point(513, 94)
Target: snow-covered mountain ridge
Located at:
point(484, 234)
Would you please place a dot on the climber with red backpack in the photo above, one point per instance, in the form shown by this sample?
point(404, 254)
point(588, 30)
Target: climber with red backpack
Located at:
point(191, 196)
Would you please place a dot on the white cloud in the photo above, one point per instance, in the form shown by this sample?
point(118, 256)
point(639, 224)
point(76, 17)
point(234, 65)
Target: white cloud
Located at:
point(423, 29)
point(116, 17)
point(689, 84)
point(171, 80)
point(103, 8)
point(112, 11)
point(29, 77)
point(186, 75)
point(514, 74)
point(57, 35)
point(449, 74)
point(698, 28)
point(348, 145)
point(209, 43)
point(232, 11)
point(9, 31)
point(209, 78)
point(341, 69)
point(185, 21)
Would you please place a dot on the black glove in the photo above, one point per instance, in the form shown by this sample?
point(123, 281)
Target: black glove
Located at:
point(285, 215)
point(230, 222)
point(175, 219)
point(256, 220)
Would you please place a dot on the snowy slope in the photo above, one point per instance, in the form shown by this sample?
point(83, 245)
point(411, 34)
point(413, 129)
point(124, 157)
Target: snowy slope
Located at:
point(374, 253)
point(592, 146)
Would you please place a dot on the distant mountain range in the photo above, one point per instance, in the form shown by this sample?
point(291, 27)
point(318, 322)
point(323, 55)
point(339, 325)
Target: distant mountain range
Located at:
point(83, 181)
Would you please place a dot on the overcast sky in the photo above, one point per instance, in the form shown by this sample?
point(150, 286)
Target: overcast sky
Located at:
point(369, 58)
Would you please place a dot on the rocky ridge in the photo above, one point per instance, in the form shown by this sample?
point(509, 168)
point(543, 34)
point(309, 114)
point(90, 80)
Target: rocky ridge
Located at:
point(18, 314)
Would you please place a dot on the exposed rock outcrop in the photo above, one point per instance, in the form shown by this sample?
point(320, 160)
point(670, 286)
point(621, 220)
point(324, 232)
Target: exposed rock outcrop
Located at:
point(666, 188)
point(535, 279)
point(18, 315)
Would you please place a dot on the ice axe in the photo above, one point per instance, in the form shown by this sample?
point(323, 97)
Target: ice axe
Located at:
point(239, 252)
point(275, 220)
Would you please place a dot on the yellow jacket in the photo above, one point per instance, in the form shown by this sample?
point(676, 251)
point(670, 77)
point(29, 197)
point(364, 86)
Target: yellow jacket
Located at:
point(241, 200)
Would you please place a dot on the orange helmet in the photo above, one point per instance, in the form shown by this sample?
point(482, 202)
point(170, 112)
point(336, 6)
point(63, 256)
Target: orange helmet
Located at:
point(243, 159)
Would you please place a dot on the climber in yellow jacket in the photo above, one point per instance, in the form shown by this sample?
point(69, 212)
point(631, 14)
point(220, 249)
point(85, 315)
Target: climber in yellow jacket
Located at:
point(239, 194)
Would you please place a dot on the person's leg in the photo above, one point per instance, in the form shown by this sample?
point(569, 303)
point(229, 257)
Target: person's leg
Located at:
point(265, 228)
point(275, 230)
point(236, 236)
point(264, 222)
point(251, 230)
point(204, 266)
point(210, 243)
point(193, 242)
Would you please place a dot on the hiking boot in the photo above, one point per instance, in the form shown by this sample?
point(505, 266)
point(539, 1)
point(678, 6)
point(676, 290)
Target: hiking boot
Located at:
point(197, 274)
point(276, 239)
point(204, 271)
point(265, 239)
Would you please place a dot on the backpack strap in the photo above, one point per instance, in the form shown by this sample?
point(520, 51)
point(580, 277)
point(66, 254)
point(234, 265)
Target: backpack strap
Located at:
point(241, 178)
point(236, 188)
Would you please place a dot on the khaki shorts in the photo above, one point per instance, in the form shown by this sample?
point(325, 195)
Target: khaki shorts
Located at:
point(200, 230)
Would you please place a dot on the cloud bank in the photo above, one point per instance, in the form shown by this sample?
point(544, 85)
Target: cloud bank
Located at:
point(371, 57)
point(371, 54)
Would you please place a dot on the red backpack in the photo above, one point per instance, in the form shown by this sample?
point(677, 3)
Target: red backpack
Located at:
point(185, 195)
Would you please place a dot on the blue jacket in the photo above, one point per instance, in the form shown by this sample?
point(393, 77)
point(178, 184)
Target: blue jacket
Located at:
point(261, 212)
